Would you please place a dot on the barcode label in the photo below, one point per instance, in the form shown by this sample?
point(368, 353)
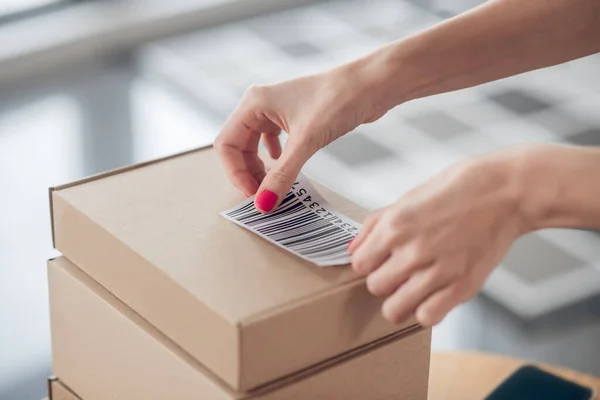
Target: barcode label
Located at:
point(303, 224)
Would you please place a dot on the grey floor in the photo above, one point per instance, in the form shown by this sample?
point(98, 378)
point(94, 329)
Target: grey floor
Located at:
point(95, 117)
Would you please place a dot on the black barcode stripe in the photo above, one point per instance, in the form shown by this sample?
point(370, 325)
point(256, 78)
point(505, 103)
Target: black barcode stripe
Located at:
point(296, 230)
point(334, 255)
point(335, 252)
point(294, 225)
point(289, 223)
point(299, 227)
point(324, 245)
point(343, 239)
point(340, 248)
point(241, 210)
point(250, 210)
point(254, 213)
point(298, 211)
point(276, 216)
point(284, 223)
point(257, 217)
point(304, 246)
point(301, 237)
point(314, 249)
point(331, 230)
point(287, 198)
point(312, 216)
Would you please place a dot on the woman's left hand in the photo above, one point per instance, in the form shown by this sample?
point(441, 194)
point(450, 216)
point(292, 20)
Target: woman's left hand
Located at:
point(435, 247)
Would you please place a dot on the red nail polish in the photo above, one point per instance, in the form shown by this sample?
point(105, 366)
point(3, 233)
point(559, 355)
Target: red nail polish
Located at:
point(350, 242)
point(266, 200)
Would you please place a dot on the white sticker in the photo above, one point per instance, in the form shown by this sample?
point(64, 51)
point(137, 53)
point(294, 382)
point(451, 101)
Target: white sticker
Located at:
point(303, 224)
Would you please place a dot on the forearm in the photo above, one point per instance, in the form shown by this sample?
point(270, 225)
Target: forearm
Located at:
point(558, 186)
point(498, 39)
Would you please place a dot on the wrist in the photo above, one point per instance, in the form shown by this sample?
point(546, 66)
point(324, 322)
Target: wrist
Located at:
point(499, 184)
point(517, 179)
point(400, 72)
point(378, 81)
point(397, 73)
point(534, 192)
point(557, 186)
point(366, 79)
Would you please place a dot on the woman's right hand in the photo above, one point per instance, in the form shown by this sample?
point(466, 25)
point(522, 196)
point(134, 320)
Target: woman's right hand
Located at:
point(314, 111)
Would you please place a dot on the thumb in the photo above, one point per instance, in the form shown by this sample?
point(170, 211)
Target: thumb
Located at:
point(281, 177)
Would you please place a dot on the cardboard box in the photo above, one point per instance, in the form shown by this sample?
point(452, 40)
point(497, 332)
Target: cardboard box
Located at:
point(103, 350)
point(246, 309)
point(58, 391)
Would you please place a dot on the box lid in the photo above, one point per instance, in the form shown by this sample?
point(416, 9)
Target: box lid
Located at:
point(246, 309)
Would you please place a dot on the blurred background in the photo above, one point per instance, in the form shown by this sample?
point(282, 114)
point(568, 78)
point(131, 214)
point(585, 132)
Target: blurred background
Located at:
point(87, 86)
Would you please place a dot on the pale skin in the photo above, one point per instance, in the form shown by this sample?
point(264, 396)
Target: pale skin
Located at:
point(434, 248)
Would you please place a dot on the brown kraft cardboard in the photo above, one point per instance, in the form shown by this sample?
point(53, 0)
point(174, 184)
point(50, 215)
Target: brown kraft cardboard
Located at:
point(246, 309)
point(58, 391)
point(103, 350)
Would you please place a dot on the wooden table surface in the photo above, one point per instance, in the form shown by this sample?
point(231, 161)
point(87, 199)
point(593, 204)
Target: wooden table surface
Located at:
point(472, 376)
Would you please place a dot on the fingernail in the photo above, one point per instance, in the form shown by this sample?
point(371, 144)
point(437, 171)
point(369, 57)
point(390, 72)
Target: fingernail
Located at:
point(350, 242)
point(266, 200)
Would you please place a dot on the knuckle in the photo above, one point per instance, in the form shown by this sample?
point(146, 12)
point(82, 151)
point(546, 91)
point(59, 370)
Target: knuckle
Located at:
point(422, 248)
point(310, 139)
point(372, 218)
point(389, 312)
point(387, 240)
point(461, 293)
point(355, 264)
point(397, 220)
point(397, 231)
point(219, 144)
point(442, 273)
point(255, 93)
point(412, 256)
point(375, 287)
point(360, 265)
point(280, 176)
point(430, 278)
point(390, 234)
point(425, 317)
point(402, 215)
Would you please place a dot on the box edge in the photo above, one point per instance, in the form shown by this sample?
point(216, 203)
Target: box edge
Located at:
point(270, 387)
point(167, 280)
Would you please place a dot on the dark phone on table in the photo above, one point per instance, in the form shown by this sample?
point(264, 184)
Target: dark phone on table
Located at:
point(531, 383)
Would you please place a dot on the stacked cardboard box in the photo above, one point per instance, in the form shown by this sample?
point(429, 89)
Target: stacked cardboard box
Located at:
point(157, 296)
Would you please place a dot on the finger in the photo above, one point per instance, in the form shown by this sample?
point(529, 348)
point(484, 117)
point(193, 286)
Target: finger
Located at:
point(256, 168)
point(281, 177)
point(367, 227)
point(411, 294)
point(374, 250)
point(237, 146)
point(272, 143)
point(241, 162)
point(435, 308)
point(395, 271)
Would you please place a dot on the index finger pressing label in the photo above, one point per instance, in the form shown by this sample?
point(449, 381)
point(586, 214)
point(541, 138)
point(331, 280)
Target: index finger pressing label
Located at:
point(303, 224)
